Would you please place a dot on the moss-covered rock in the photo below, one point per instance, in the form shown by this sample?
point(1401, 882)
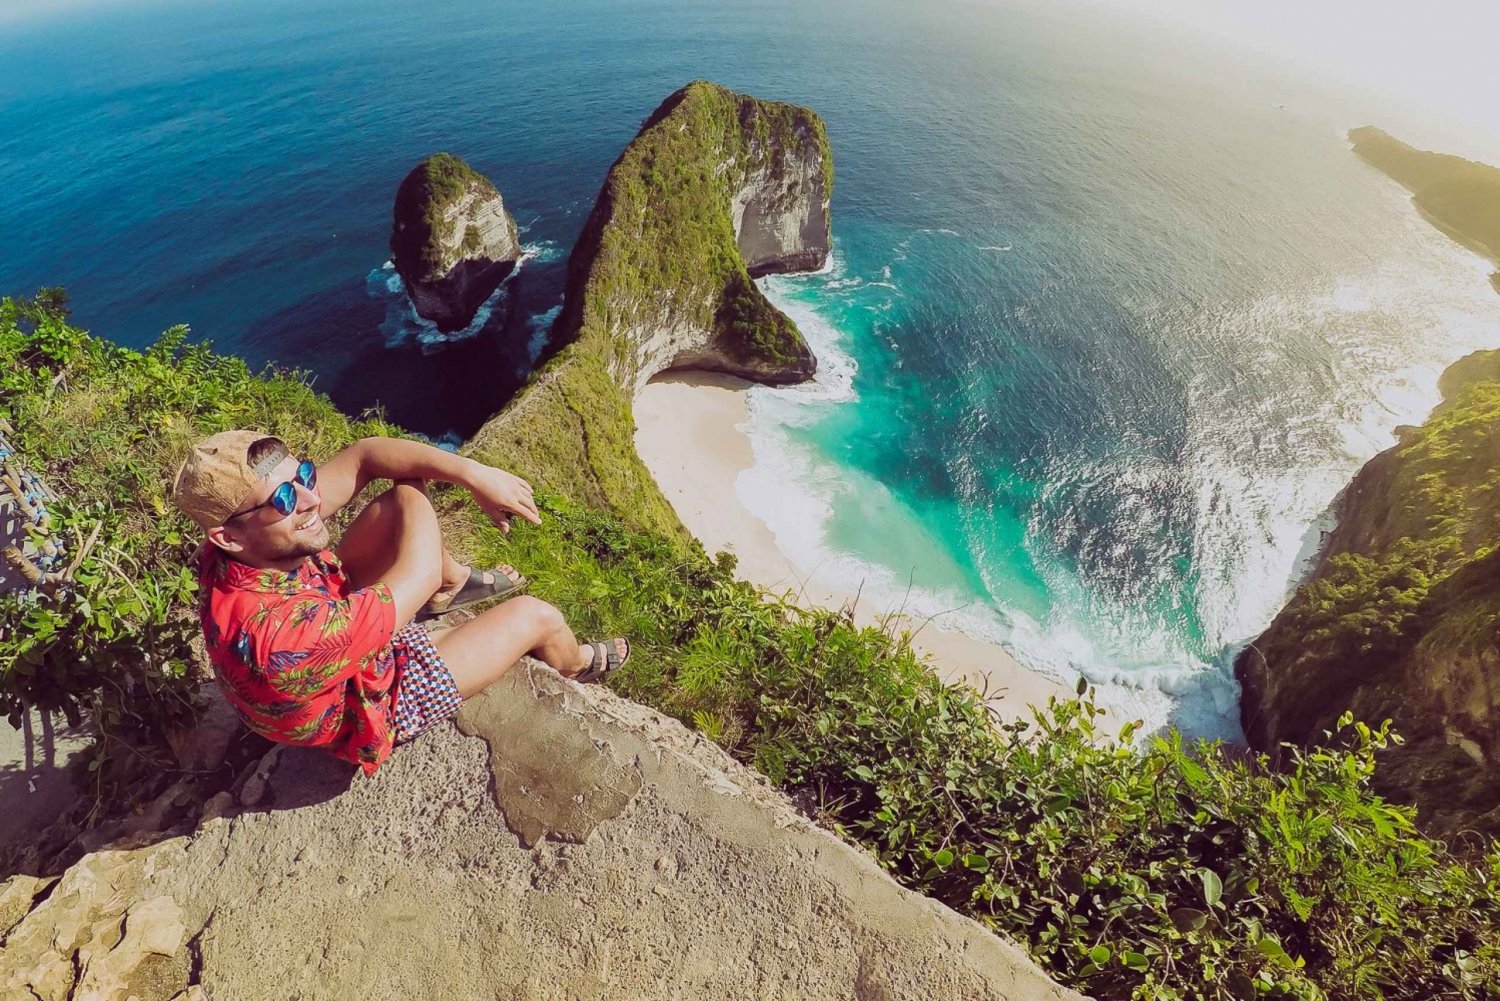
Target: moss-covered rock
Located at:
point(452, 241)
point(1400, 618)
point(715, 188)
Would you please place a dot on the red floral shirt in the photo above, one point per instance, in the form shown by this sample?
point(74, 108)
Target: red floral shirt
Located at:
point(303, 658)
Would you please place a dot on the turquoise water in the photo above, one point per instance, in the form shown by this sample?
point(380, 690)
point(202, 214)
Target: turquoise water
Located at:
point(1112, 315)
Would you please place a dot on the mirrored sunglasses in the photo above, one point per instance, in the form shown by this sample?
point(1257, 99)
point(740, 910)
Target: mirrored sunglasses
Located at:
point(284, 497)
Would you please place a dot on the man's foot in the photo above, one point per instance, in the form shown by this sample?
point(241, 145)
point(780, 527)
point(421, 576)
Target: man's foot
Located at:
point(478, 585)
point(603, 660)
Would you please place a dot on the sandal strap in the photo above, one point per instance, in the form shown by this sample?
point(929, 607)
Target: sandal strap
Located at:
point(496, 583)
point(606, 660)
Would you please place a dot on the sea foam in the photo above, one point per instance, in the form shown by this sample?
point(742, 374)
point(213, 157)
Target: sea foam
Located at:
point(402, 325)
point(1257, 476)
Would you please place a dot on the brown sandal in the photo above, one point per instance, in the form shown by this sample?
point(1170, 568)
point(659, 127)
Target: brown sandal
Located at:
point(608, 656)
point(482, 585)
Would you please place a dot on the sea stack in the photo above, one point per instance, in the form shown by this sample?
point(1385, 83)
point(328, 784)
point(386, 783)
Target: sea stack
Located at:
point(717, 189)
point(452, 241)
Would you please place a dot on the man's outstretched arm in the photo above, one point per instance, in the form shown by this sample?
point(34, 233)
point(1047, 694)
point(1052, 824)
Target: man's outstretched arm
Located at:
point(498, 493)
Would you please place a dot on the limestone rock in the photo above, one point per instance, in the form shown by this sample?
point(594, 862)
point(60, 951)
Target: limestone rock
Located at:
point(716, 188)
point(658, 867)
point(17, 895)
point(202, 745)
point(663, 268)
point(452, 241)
point(147, 960)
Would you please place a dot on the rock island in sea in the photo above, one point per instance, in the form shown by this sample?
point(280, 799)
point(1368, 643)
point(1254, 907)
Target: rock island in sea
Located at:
point(452, 241)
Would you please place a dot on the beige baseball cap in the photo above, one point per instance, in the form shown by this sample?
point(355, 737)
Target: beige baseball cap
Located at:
point(217, 476)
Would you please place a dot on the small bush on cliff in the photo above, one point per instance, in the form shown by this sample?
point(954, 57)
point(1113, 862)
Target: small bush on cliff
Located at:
point(1168, 872)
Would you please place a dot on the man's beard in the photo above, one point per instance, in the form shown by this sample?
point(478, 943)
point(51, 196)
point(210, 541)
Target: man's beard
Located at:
point(297, 548)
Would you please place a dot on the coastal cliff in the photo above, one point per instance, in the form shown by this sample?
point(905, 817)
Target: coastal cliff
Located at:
point(562, 842)
point(1460, 197)
point(717, 187)
point(565, 842)
point(1398, 618)
point(452, 241)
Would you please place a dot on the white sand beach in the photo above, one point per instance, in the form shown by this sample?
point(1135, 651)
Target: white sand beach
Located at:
point(689, 431)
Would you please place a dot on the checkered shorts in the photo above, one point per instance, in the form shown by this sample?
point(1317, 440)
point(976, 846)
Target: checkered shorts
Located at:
point(426, 693)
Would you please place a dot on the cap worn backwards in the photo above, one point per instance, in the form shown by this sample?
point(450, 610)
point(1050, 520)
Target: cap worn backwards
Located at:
point(217, 476)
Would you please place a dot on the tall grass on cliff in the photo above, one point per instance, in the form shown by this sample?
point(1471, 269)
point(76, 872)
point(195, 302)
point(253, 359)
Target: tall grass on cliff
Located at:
point(1162, 872)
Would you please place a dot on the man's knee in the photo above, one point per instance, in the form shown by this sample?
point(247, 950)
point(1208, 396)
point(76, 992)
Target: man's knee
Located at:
point(543, 617)
point(407, 499)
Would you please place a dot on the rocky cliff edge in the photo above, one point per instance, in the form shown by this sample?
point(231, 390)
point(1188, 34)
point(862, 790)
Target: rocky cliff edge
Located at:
point(559, 842)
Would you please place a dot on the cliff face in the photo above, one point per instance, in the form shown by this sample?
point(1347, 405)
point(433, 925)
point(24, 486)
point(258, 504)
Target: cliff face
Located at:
point(716, 188)
point(1400, 618)
point(780, 209)
point(561, 842)
point(452, 241)
point(1460, 197)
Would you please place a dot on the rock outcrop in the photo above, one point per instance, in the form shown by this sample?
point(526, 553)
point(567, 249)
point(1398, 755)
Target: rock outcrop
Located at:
point(560, 842)
point(1460, 197)
point(715, 189)
point(452, 241)
point(1398, 619)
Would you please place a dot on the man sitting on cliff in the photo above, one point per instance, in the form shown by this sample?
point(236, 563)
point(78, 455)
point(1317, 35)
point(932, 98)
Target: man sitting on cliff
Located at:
point(318, 648)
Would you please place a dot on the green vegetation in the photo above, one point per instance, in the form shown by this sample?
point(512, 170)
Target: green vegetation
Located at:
point(107, 426)
point(423, 238)
point(659, 248)
point(1461, 197)
point(1400, 621)
point(1172, 872)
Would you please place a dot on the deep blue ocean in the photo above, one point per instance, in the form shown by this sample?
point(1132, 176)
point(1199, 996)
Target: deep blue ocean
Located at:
point(1113, 313)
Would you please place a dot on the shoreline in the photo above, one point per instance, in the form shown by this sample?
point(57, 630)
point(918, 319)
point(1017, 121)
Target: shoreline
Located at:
point(690, 434)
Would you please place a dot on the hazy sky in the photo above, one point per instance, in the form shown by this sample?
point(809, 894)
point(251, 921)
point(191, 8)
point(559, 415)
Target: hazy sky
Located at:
point(1442, 57)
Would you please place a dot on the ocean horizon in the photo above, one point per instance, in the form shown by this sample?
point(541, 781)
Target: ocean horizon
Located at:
point(1106, 329)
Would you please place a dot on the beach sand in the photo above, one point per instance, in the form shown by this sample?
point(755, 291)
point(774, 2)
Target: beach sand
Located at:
point(689, 433)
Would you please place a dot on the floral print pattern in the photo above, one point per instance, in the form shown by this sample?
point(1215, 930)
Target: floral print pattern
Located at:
point(303, 657)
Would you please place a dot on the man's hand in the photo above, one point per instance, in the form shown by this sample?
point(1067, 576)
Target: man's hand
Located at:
point(501, 494)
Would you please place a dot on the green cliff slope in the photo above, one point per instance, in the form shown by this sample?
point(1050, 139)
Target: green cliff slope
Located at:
point(1401, 618)
point(656, 272)
point(1461, 197)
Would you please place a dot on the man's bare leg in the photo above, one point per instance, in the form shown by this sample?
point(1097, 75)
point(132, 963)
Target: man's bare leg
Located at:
point(367, 552)
point(481, 650)
point(369, 546)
